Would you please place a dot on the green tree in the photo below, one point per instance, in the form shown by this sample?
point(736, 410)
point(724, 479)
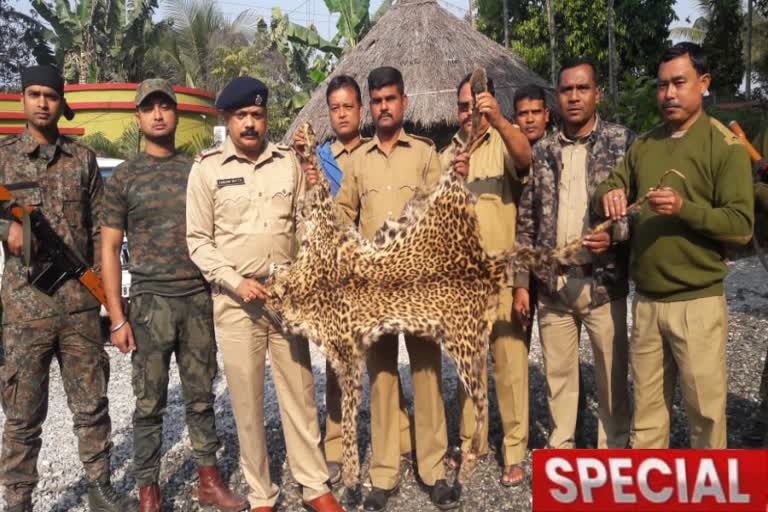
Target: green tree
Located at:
point(198, 28)
point(760, 48)
point(23, 42)
point(581, 29)
point(354, 20)
point(724, 46)
point(133, 41)
point(98, 40)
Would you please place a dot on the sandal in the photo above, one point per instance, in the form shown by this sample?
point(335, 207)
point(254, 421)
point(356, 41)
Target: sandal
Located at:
point(513, 475)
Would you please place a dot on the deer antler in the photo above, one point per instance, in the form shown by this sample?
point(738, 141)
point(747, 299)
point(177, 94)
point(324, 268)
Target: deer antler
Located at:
point(575, 245)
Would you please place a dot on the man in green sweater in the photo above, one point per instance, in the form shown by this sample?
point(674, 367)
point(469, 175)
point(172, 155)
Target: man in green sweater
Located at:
point(678, 245)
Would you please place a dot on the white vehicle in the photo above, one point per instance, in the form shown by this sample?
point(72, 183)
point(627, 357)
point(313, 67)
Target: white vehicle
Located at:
point(106, 166)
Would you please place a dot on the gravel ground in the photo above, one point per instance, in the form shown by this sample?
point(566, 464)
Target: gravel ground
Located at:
point(62, 485)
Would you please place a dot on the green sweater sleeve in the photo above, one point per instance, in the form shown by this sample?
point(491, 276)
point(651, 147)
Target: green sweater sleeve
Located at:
point(730, 219)
point(620, 177)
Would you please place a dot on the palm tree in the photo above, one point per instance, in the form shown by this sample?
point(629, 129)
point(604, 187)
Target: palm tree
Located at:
point(198, 27)
point(698, 31)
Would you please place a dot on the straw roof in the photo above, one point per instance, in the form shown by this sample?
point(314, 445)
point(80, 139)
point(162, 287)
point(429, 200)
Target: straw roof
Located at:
point(434, 50)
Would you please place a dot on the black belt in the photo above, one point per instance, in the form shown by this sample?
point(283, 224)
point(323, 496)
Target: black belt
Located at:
point(501, 186)
point(584, 270)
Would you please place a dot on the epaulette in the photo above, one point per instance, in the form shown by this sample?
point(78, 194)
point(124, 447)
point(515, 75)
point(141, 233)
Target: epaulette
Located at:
point(206, 153)
point(283, 147)
point(9, 139)
point(729, 137)
point(426, 140)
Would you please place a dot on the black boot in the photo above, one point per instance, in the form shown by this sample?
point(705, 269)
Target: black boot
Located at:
point(443, 496)
point(102, 497)
point(377, 499)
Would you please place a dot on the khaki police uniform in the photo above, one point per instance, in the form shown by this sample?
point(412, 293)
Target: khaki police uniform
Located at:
point(376, 186)
point(240, 220)
point(493, 179)
point(332, 441)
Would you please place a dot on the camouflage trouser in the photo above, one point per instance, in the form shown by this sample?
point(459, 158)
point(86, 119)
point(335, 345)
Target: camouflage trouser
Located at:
point(163, 326)
point(76, 343)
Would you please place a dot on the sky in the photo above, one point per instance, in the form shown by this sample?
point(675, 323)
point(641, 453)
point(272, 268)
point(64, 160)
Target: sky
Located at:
point(305, 12)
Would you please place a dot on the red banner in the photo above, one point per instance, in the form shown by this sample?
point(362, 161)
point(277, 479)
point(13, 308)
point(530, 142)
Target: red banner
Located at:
point(650, 480)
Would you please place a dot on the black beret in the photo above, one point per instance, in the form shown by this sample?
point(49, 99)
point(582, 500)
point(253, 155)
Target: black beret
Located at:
point(242, 92)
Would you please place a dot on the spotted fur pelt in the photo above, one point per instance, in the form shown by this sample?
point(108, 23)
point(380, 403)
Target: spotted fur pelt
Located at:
point(425, 274)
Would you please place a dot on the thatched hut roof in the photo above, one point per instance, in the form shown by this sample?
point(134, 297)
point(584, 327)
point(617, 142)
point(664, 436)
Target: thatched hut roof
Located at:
point(434, 50)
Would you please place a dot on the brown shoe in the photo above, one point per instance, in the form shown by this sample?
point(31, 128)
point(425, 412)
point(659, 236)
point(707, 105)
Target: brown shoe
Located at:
point(213, 491)
point(149, 499)
point(325, 503)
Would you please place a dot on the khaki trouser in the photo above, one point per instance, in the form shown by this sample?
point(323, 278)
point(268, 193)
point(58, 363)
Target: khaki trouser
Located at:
point(332, 441)
point(245, 335)
point(510, 373)
point(428, 410)
point(687, 338)
point(560, 319)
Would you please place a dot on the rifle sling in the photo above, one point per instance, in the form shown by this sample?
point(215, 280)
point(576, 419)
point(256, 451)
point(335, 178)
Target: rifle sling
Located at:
point(26, 244)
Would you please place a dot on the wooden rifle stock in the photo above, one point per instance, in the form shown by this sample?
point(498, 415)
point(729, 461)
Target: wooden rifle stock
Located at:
point(754, 154)
point(85, 275)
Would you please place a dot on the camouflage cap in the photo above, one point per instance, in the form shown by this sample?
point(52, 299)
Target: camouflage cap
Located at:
point(151, 86)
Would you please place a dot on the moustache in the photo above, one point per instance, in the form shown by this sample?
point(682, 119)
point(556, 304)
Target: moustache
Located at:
point(669, 104)
point(385, 114)
point(249, 133)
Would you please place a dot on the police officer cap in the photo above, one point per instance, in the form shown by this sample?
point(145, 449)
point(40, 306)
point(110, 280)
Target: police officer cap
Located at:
point(242, 92)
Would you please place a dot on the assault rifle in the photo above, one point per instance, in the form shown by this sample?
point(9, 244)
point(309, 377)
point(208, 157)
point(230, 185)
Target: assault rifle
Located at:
point(754, 154)
point(54, 263)
point(760, 166)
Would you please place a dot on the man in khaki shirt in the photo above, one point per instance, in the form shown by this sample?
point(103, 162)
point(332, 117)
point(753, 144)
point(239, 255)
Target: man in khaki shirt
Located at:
point(345, 109)
point(379, 180)
point(493, 177)
point(241, 218)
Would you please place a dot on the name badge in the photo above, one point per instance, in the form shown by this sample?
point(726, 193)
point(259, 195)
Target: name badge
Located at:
point(230, 182)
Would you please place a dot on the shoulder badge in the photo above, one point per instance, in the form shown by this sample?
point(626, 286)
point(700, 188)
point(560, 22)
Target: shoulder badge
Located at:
point(728, 136)
point(425, 140)
point(206, 153)
point(283, 147)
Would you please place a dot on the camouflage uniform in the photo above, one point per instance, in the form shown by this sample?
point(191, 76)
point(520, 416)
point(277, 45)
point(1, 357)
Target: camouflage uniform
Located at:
point(171, 309)
point(61, 180)
point(537, 214)
point(592, 294)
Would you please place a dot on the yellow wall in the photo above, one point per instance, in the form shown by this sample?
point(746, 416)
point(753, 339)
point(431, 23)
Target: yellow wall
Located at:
point(113, 120)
